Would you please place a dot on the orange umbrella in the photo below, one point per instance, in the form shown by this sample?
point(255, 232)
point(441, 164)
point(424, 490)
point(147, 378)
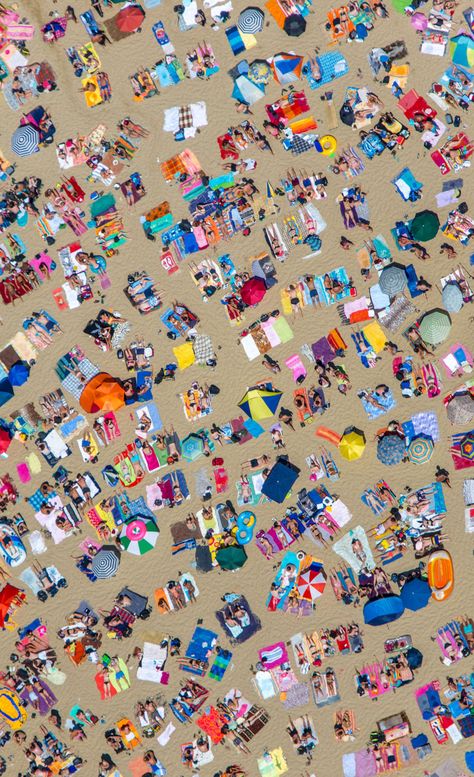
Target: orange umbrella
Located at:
point(130, 18)
point(102, 393)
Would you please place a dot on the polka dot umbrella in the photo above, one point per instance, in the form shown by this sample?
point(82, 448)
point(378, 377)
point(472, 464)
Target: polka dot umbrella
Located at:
point(106, 563)
point(25, 140)
point(251, 20)
point(139, 535)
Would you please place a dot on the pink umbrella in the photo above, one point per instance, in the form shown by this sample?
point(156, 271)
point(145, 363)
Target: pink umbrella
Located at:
point(419, 21)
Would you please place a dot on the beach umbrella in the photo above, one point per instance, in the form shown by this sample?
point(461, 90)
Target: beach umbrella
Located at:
point(352, 443)
point(452, 297)
point(390, 449)
point(8, 595)
point(414, 657)
point(253, 291)
point(102, 393)
point(425, 225)
point(393, 279)
point(461, 50)
point(435, 326)
point(419, 21)
point(260, 71)
point(287, 67)
point(460, 408)
point(106, 562)
point(5, 440)
point(129, 18)
point(260, 403)
point(139, 535)
point(25, 140)
point(294, 25)
point(6, 391)
point(467, 447)
point(192, 447)
point(415, 594)
point(251, 20)
point(420, 450)
point(311, 582)
point(19, 374)
point(231, 557)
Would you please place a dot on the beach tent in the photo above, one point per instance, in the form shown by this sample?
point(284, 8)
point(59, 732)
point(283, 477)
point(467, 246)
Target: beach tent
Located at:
point(287, 67)
point(5, 440)
point(461, 50)
point(378, 612)
point(6, 391)
point(260, 403)
point(102, 393)
point(280, 480)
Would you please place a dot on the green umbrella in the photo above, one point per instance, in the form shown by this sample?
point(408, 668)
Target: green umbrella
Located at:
point(435, 326)
point(425, 225)
point(231, 557)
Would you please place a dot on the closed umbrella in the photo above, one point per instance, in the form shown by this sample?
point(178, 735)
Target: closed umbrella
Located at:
point(452, 297)
point(460, 408)
point(391, 449)
point(19, 374)
point(415, 594)
point(253, 291)
point(425, 225)
point(352, 443)
point(294, 25)
point(106, 562)
point(420, 450)
point(25, 140)
point(393, 279)
point(435, 327)
point(139, 535)
point(259, 403)
point(311, 582)
point(251, 20)
point(6, 391)
point(130, 18)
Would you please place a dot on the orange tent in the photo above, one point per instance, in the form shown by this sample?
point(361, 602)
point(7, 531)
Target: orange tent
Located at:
point(102, 393)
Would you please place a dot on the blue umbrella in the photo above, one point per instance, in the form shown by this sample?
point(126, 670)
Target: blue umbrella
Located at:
point(6, 391)
point(390, 449)
point(415, 594)
point(19, 374)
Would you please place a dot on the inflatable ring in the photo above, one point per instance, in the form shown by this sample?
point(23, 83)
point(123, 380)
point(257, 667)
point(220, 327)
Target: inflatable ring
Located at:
point(247, 517)
point(329, 145)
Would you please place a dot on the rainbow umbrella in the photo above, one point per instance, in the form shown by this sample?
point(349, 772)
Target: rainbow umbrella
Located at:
point(421, 450)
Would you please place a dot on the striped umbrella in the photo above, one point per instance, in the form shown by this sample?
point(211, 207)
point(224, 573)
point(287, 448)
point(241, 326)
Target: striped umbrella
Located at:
point(420, 450)
point(390, 449)
point(25, 140)
point(139, 535)
point(106, 563)
point(311, 582)
point(392, 279)
point(435, 327)
point(251, 21)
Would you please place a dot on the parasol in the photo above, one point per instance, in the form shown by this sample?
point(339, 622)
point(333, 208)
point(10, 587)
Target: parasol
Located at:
point(460, 408)
point(390, 449)
point(102, 393)
point(192, 447)
point(6, 391)
point(352, 444)
point(106, 562)
point(139, 535)
point(294, 25)
point(19, 374)
point(425, 225)
point(253, 291)
point(435, 326)
point(311, 582)
point(129, 18)
point(415, 594)
point(420, 450)
point(25, 140)
point(251, 20)
point(393, 279)
point(452, 297)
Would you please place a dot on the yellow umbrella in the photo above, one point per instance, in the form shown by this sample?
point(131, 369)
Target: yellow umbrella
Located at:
point(352, 444)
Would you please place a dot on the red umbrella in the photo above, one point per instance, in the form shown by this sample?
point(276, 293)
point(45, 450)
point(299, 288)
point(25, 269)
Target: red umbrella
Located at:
point(5, 440)
point(253, 291)
point(129, 19)
point(7, 596)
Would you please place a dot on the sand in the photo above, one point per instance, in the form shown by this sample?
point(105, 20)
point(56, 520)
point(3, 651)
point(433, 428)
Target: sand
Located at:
point(233, 374)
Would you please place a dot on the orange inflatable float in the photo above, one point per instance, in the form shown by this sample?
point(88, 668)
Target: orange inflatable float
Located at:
point(440, 575)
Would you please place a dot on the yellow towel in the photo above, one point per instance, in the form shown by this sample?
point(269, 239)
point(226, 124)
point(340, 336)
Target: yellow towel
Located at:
point(375, 336)
point(184, 355)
